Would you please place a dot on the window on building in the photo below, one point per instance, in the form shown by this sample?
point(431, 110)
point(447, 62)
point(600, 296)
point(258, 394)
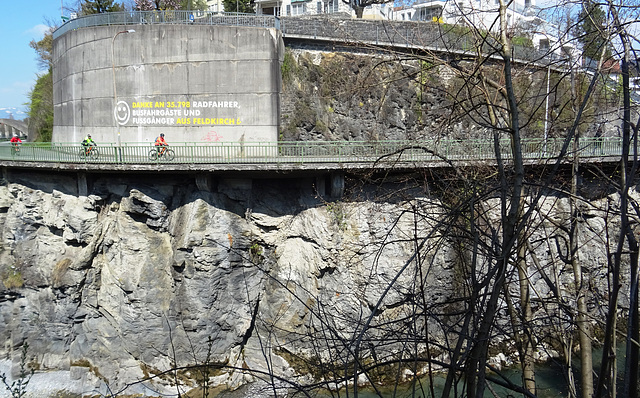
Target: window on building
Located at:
point(544, 44)
point(332, 6)
point(429, 14)
point(319, 7)
point(298, 8)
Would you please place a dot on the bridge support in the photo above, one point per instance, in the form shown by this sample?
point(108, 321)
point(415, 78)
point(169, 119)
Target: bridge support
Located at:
point(337, 185)
point(205, 182)
point(321, 186)
point(331, 185)
point(83, 186)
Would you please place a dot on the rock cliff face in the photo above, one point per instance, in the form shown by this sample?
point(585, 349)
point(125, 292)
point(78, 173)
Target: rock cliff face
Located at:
point(148, 274)
point(358, 97)
point(376, 94)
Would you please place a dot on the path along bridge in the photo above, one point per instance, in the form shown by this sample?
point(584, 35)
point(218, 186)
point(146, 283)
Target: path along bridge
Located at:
point(318, 159)
point(302, 155)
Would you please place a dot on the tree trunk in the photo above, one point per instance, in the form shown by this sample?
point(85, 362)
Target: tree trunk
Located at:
point(526, 337)
point(511, 194)
point(585, 333)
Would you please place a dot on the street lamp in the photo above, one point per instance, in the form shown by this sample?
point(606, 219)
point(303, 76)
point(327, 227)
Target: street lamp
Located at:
point(115, 92)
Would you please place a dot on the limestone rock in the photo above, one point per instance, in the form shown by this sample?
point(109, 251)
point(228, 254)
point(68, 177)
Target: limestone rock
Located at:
point(133, 280)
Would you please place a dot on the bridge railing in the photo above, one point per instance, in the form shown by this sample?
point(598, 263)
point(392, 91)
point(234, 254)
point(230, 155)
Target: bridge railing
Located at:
point(168, 17)
point(300, 152)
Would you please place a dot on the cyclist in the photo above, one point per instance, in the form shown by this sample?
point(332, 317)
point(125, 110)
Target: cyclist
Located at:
point(87, 143)
point(160, 142)
point(15, 143)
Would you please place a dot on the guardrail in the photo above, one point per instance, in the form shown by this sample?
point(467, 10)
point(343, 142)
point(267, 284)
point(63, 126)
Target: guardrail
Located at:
point(196, 17)
point(301, 152)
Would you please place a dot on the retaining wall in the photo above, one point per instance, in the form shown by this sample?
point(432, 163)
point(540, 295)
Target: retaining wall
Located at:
point(194, 83)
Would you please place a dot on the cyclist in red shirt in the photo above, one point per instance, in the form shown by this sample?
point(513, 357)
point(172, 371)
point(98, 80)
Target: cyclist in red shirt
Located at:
point(161, 143)
point(15, 143)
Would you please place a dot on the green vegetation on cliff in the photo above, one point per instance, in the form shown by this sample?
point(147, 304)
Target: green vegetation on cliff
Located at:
point(358, 97)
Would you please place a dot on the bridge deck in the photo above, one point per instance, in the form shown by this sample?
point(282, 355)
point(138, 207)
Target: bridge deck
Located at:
point(297, 156)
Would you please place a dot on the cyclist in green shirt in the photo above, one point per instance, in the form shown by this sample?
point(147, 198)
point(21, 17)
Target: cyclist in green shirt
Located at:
point(88, 143)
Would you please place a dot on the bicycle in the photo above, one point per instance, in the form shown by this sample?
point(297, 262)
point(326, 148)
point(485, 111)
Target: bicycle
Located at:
point(162, 153)
point(15, 149)
point(89, 152)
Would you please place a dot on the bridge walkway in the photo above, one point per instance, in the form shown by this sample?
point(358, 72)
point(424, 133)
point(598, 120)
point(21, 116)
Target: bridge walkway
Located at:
point(265, 156)
point(327, 162)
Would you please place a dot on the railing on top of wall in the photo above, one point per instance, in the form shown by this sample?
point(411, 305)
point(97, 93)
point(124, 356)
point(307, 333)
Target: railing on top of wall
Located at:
point(196, 17)
point(301, 152)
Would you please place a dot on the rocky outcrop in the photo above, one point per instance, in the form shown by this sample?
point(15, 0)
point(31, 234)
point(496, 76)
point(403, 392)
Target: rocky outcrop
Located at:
point(369, 93)
point(358, 97)
point(146, 275)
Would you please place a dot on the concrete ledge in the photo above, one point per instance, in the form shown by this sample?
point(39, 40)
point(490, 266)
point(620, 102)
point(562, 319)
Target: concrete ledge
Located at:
point(275, 169)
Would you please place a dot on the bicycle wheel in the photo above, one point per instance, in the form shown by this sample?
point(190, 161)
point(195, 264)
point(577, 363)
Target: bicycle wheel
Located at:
point(153, 154)
point(82, 154)
point(94, 153)
point(169, 154)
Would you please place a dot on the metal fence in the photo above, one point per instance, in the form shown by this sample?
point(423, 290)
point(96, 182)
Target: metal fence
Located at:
point(195, 17)
point(301, 152)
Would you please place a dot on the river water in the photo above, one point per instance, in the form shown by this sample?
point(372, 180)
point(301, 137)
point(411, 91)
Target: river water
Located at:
point(551, 381)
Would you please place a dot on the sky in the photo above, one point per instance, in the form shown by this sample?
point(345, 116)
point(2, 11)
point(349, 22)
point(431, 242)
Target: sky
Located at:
point(21, 22)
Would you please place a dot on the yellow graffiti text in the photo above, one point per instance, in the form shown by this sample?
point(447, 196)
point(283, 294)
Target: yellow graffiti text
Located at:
point(142, 105)
point(177, 104)
point(216, 121)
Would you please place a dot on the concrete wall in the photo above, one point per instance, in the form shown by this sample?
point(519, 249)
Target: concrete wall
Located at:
point(195, 83)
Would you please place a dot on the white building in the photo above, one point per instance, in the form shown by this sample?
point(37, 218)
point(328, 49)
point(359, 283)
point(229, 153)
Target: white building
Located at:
point(311, 7)
point(483, 14)
point(479, 13)
point(215, 6)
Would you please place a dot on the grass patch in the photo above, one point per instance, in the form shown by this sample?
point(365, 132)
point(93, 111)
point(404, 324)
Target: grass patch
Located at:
point(12, 278)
